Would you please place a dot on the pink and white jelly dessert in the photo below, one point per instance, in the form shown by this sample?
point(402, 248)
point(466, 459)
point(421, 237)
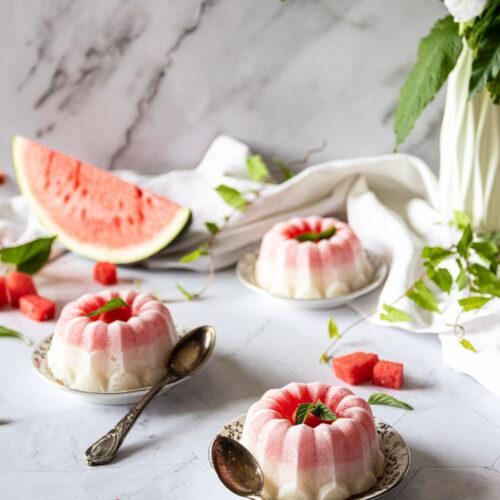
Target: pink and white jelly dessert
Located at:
point(323, 460)
point(326, 268)
point(119, 350)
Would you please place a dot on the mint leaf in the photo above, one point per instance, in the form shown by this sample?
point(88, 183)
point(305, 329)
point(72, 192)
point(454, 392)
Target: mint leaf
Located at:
point(471, 303)
point(323, 412)
point(302, 411)
point(7, 332)
point(465, 242)
point(333, 331)
point(465, 343)
point(212, 227)
point(461, 279)
point(28, 257)
point(422, 296)
point(232, 197)
point(435, 255)
point(112, 304)
point(287, 174)
point(485, 281)
point(394, 315)
point(441, 277)
point(184, 292)
point(314, 236)
point(462, 220)
point(190, 257)
point(379, 398)
point(486, 250)
point(257, 168)
point(437, 56)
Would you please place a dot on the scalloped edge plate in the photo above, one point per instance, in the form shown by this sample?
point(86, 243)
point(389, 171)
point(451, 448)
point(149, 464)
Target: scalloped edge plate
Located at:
point(396, 453)
point(39, 362)
point(245, 271)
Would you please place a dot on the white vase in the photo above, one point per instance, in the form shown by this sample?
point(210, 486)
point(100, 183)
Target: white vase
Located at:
point(469, 175)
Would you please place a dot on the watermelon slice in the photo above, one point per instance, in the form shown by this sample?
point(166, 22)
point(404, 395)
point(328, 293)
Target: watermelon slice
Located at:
point(388, 374)
point(4, 298)
point(19, 284)
point(92, 212)
point(37, 307)
point(355, 368)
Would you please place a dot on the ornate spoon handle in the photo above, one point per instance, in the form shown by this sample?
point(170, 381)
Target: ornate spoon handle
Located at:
point(105, 449)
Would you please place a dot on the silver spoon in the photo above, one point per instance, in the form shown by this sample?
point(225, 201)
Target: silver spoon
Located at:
point(188, 355)
point(237, 468)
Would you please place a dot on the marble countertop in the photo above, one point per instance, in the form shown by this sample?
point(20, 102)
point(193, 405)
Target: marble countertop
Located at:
point(453, 433)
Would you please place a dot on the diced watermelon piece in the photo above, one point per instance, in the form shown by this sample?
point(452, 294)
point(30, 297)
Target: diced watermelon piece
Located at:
point(3, 177)
point(4, 297)
point(118, 314)
point(37, 307)
point(355, 368)
point(105, 273)
point(388, 374)
point(19, 284)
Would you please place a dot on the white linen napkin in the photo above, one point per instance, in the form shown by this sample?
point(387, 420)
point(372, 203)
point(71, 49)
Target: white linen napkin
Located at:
point(390, 201)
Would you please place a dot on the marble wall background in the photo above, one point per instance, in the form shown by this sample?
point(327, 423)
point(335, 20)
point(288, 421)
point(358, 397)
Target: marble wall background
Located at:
point(147, 84)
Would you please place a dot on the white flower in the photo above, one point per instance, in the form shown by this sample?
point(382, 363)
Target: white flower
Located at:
point(465, 10)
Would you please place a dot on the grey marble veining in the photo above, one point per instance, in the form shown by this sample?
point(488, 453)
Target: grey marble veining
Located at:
point(147, 84)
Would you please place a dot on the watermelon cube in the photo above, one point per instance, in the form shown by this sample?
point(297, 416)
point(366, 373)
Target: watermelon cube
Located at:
point(388, 374)
point(105, 273)
point(19, 284)
point(355, 368)
point(37, 307)
point(4, 298)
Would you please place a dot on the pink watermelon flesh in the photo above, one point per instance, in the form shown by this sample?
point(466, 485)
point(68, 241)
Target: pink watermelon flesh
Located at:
point(93, 212)
point(4, 298)
point(355, 368)
point(19, 284)
point(388, 374)
point(37, 307)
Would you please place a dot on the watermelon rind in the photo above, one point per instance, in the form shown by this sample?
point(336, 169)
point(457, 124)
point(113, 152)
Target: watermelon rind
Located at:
point(128, 255)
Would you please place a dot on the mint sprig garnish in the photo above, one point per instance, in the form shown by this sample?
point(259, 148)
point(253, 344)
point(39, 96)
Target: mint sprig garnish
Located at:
point(257, 169)
point(315, 236)
point(319, 410)
point(379, 398)
point(232, 197)
point(28, 257)
point(112, 304)
point(394, 315)
point(7, 332)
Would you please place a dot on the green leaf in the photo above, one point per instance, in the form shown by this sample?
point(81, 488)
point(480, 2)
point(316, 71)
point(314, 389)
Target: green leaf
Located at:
point(394, 315)
point(476, 28)
point(441, 277)
point(379, 398)
point(190, 257)
point(7, 332)
point(435, 255)
point(112, 304)
point(465, 343)
point(232, 197)
point(314, 236)
point(333, 331)
point(184, 292)
point(462, 279)
point(323, 412)
point(324, 358)
point(485, 281)
point(486, 64)
point(212, 227)
point(437, 56)
point(494, 89)
point(462, 220)
point(137, 285)
point(257, 168)
point(492, 236)
point(470, 303)
point(28, 257)
point(486, 250)
point(422, 296)
point(287, 173)
point(302, 411)
point(465, 242)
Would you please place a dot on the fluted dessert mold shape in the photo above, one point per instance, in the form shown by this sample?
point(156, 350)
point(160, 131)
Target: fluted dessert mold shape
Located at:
point(188, 356)
point(237, 468)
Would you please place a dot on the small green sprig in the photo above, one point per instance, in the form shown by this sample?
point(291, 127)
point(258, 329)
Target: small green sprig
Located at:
point(110, 305)
point(7, 332)
point(319, 410)
point(379, 398)
point(28, 257)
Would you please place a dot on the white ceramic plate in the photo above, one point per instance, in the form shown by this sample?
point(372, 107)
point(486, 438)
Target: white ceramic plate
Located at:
point(39, 361)
point(397, 455)
point(245, 270)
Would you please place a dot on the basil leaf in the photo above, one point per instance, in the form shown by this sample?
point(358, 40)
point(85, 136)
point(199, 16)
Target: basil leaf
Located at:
point(437, 56)
point(28, 257)
point(394, 315)
point(462, 279)
point(441, 277)
point(465, 242)
point(184, 292)
point(333, 331)
point(287, 174)
point(112, 304)
point(471, 303)
point(190, 257)
point(465, 343)
point(323, 412)
point(422, 296)
point(302, 411)
point(379, 398)
point(435, 255)
point(314, 236)
point(232, 197)
point(7, 332)
point(257, 168)
point(462, 220)
point(212, 227)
